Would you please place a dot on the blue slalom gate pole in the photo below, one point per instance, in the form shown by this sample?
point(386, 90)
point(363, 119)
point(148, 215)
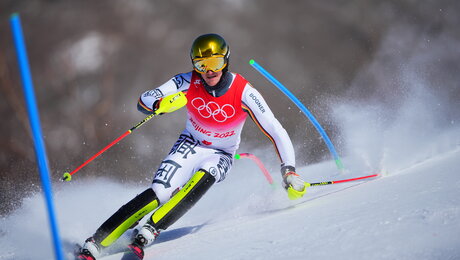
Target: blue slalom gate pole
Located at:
point(296, 101)
point(34, 120)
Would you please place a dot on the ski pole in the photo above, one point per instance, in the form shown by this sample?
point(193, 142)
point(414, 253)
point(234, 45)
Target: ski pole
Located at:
point(259, 163)
point(270, 179)
point(342, 181)
point(167, 105)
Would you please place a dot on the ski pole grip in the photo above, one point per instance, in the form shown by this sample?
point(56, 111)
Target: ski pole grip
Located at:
point(172, 103)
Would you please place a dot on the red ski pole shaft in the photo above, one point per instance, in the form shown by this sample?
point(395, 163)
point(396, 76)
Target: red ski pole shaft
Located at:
point(346, 180)
point(168, 104)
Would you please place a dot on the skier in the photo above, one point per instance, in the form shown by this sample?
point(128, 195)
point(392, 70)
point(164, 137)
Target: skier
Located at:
point(218, 104)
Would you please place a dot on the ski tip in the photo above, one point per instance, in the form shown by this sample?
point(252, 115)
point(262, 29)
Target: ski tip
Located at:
point(252, 61)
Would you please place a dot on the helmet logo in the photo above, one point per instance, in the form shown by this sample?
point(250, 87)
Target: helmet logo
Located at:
point(213, 109)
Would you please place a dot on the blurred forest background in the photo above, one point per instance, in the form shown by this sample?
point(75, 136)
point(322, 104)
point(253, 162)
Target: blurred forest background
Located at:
point(91, 60)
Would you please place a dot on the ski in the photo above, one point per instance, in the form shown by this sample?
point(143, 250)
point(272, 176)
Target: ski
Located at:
point(134, 252)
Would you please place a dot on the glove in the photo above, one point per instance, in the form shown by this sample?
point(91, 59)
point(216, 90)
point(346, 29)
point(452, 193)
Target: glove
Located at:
point(149, 101)
point(292, 179)
point(145, 109)
point(293, 183)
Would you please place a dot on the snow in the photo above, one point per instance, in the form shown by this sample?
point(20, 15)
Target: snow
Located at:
point(408, 214)
point(411, 212)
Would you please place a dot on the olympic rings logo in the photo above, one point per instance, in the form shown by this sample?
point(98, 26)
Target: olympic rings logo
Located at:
point(212, 109)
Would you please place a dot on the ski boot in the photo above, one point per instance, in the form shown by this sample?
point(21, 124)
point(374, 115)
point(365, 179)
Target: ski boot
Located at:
point(88, 251)
point(146, 235)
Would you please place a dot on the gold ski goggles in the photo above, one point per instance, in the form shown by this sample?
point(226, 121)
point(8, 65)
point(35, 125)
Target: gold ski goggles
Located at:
point(215, 63)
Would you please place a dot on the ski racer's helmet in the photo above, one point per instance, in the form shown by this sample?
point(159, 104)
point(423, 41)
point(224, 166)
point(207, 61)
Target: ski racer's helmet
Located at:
point(209, 52)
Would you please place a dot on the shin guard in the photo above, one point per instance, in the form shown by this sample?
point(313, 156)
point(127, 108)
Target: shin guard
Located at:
point(126, 217)
point(183, 200)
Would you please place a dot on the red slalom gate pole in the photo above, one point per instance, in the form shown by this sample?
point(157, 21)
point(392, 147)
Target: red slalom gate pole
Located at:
point(259, 163)
point(346, 180)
